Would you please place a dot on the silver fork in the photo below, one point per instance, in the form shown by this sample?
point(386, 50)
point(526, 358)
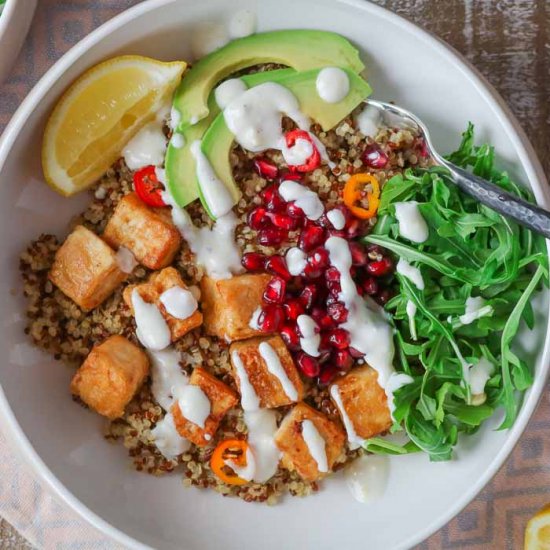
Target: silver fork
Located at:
point(487, 193)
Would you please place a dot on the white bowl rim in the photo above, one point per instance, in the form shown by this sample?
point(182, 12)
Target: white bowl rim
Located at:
point(517, 136)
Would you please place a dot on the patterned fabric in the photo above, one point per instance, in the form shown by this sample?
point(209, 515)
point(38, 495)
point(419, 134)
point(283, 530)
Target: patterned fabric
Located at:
point(496, 519)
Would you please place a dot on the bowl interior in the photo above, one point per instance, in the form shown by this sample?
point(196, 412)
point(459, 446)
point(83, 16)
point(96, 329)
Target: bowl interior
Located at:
point(404, 65)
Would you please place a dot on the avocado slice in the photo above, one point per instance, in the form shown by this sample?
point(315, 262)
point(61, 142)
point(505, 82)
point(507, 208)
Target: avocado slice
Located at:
point(218, 139)
point(179, 162)
point(300, 49)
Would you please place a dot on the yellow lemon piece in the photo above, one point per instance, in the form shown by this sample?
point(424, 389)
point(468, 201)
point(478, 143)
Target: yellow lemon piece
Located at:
point(537, 532)
point(102, 110)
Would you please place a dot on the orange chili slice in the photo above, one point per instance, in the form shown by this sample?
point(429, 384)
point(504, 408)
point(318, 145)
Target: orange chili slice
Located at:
point(230, 449)
point(354, 191)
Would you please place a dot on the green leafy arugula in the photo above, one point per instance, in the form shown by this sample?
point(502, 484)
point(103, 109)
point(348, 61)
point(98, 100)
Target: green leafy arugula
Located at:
point(471, 251)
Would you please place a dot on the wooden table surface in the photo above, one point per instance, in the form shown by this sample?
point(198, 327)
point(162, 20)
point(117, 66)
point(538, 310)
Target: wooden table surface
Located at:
point(509, 42)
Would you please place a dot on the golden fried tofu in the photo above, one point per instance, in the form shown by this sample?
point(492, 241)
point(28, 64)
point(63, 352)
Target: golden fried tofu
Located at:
point(148, 233)
point(228, 305)
point(364, 401)
point(86, 269)
point(110, 376)
point(222, 398)
point(269, 386)
point(297, 455)
point(151, 292)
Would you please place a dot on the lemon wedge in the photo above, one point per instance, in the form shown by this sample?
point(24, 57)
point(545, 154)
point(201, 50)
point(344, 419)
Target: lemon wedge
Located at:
point(537, 532)
point(102, 110)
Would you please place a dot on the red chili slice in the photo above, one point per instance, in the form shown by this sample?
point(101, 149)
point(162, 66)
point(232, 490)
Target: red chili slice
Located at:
point(148, 187)
point(314, 159)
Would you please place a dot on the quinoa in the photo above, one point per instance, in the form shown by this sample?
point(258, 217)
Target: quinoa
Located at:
point(57, 325)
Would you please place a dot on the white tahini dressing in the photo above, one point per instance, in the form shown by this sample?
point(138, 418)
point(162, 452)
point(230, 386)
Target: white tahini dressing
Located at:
point(167, 439)
point(310, 338)
point(298, 153)
point(215, 249)
point(368, 121)
point(249, 398)
point(179, 302)
point(332, 84)
point(305, 198)
point(397, 380)
point(262, 425)
point(412, 273)
point(228, 91)
point(152, 330)
point(147, 147)
point(411, 312)
point(194, 405)
point(412, 225)
point(242, 23)
point(168, 383)
point(244, 472)
point(177, 140)
point(275, 367)
point(480, 373)
point(367, 477)
point(475, 308)
point(253, 323)
point(336, 218)
point(125, 260)
point(353, 439)
point(315, 444)
point(368, 328)
point(214, 192)
point(296, 260)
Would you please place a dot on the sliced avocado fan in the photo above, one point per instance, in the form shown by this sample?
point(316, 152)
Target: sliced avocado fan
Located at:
point(218, 139)
point(300, 49)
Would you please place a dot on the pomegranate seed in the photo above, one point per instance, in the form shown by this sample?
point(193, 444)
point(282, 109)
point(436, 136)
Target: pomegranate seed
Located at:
point(277, 266)
point(354, 229)
point(338, 312)
point(343, 359)
point(355, 353)
point(327, 375)
point(360, 290)
point(287, 175)
point(308, 365)
point(324, 356)
point(339, 338)
point(374, 249)
point(266, 169)
point(374, 157)
point(275, 290)
point(380, 267)
point(257, 218)
point(319, 258)
point(271, 318)
point(337, 233)
point(283, 221)
point(293, 309)
point(272, 199)
point(358, 253)
point(294, 211)
point(384, 296)
point(332, 275)
point(321, 317)
point(334, 288)
point(253, 261)
point(311, 236)
point(308, 295)
point(370, 286)
point(272, 236)
point(290, 337)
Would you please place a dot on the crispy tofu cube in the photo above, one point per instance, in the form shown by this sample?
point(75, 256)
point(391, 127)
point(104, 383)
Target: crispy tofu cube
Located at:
point(296, 453)
point(364, 401)
point(148, 233)
point(228, 305)
point(110, 376)
point(222, 398)
point(269, 388)
point(151, 292)
point(86, 269)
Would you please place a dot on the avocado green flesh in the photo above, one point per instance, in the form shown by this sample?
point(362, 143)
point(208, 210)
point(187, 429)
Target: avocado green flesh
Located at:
point(218, 140)
point(300, 49)
point(179, 162)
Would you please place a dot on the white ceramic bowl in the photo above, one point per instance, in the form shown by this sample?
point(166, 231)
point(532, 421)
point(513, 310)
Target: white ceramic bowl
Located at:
point(63, 442)
point(15, 21)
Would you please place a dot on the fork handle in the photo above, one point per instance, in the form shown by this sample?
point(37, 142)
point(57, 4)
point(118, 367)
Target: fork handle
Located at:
point(511, 206)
